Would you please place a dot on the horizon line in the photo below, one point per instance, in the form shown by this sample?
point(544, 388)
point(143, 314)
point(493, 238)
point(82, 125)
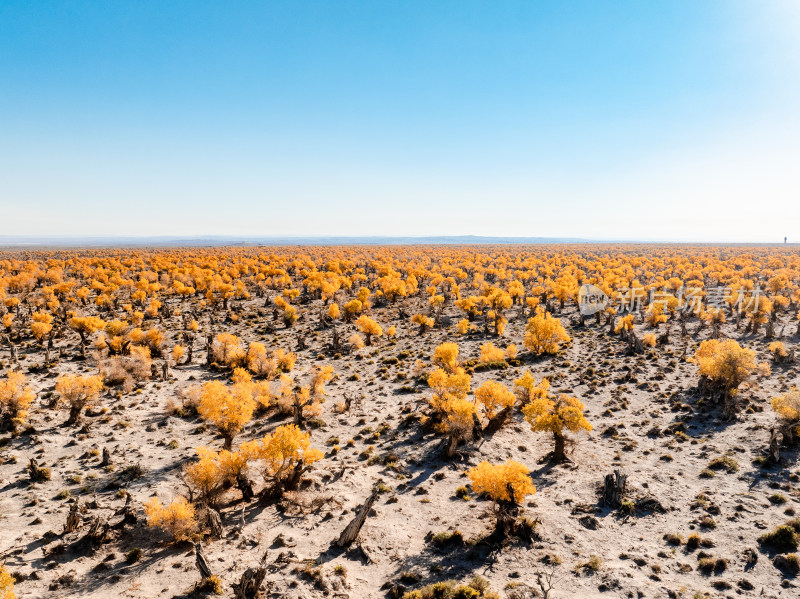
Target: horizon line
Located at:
point(111, 241)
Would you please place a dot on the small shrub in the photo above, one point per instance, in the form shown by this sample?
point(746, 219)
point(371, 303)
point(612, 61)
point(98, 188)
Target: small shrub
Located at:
point(784, 538)
point(726, 463)
point(789, 563)
point(212, 584)
point(674, 539)
point(463, 493)
point(447, 539)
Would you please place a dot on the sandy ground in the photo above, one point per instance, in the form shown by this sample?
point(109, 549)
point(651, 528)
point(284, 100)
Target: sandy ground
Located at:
point(631, 401)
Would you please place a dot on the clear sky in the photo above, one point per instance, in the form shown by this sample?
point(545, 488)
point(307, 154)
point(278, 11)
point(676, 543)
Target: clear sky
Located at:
point(648, 119)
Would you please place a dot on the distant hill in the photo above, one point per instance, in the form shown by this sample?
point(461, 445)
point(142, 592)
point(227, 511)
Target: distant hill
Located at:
point(34, 242)
point(20, 241)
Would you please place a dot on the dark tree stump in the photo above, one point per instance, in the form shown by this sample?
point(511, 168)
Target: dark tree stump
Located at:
point(96, 535)
point(245, 486)
point(614, 489)
point(775, 446)
point(73, 519)
point(250, 583)
point(213, 520)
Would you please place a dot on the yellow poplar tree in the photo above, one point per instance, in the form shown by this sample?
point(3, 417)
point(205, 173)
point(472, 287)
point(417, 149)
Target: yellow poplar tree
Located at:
point(16, 397)
point(494, 397)
point(79, 392)
point(369, 327)
point(555, 415)
point(723, 366)
point(543, 334)
point(228, 408)
point(283, 457)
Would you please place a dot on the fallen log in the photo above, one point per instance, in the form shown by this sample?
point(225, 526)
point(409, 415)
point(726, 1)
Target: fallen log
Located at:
point(350, 533)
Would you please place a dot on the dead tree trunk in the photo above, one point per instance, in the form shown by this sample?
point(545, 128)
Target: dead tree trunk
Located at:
point(350, 533)
point(214, 522)
point(36, 473)
point(495, 423)
point(250, 583)
point(614, 489)
point(507, 511)
point(559, 451)
point(245, 486)
point(97, 533)
point(209, 351)
point(201, 563)
point(477, 430)
point(73, 519)
point(775, 446)
point(13, 349)
point(128, 514)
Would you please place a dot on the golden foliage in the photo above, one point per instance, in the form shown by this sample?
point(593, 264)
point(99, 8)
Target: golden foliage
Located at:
point(491, 353)
point(777, 349)
point(205, 476)
point(369, 327)
point(177, 353)
point(356, 340)
point(556, 414)
point(333, 311)
point(787, 407)
point(260, 363)
point(493, 480)
point(494, 396)
point(16, 397)
point(86, 325)
point(446, 356)
point(528, 390)
point(624, 324)
point(457, 421)
point(178, 518)
point(78, 391)
point(321, 376)
point(227, 350)
point(41, 326)
point(6, 585)
point(448, 385)
point(543, 334)
point(655, 315)
point(282, 453)
point(228, 408)
point(352, 308)
point(725, 363)
point(424, 322)
point(285, 360)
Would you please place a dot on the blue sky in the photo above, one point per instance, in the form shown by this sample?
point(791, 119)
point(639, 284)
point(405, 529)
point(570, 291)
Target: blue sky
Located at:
point(663, 120)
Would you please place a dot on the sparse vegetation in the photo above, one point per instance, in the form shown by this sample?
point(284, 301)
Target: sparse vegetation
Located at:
point(212, 377)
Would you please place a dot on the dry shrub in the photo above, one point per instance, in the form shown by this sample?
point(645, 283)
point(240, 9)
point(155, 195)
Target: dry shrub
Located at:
point(125, 371)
